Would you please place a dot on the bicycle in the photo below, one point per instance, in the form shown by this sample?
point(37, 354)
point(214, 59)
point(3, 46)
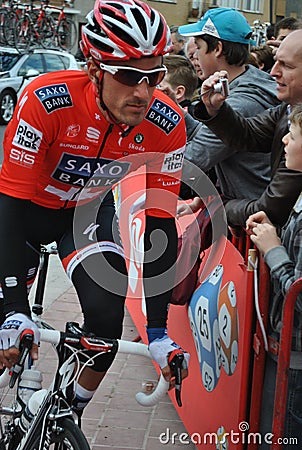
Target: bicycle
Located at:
point(64, 30)
point(10, 15)
point(53, 425)
point(35, 27)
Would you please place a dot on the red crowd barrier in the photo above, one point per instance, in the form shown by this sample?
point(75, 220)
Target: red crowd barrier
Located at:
point(283, 362)
point(283, 350)
point(235, 395)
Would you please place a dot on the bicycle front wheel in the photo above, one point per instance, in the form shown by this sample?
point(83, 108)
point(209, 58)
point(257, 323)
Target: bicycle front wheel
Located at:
point(67, 436)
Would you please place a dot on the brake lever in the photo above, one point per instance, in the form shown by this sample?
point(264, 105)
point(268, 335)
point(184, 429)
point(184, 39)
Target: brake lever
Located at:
point(26, 342)
point(175, 361)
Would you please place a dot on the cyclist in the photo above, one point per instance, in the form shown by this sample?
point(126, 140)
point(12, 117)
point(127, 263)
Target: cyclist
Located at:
point(73, 136)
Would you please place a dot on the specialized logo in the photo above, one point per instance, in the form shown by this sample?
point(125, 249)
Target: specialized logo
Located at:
point(163, 116)
point(81, 171)
point(54, 97)
point(27, 137)
point(173, 161)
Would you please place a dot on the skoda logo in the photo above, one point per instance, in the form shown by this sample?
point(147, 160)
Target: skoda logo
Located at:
point(138, 139)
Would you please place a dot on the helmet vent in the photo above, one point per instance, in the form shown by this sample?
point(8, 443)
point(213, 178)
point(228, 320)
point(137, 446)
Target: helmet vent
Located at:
point(101, 46)
point(141, 22)
point(159, 34)
point(110, 12)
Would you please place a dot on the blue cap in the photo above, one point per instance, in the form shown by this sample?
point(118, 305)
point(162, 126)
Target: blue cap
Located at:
point(223, 23)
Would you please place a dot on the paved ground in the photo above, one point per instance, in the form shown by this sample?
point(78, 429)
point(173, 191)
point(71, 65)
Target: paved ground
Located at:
point(114, 420)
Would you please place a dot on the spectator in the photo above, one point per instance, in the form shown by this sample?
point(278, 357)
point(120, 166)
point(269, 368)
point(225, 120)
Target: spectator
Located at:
point(264, 57)
point(178, 42)
point(251, 91)
point(191, 54)
point(270, 32)
point(286, 26)
point(190, 51)
point(284, 258)
point(282, 29)
point(180, 80)
point(262, 133)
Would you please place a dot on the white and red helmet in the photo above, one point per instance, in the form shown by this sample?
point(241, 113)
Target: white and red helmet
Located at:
point(124, 29)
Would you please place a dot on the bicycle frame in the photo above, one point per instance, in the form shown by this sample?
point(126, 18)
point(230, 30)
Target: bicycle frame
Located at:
point(68, 344)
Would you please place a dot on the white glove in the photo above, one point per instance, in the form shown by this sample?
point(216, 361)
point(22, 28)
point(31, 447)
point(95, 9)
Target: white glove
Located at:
point(13, 326)
point(160, 349)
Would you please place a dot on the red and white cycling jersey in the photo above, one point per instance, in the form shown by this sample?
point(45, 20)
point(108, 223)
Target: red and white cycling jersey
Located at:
point(58, 148)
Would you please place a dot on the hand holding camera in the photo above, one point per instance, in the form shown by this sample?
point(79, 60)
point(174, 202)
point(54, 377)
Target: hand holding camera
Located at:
point(222, 87)
point(215, 84)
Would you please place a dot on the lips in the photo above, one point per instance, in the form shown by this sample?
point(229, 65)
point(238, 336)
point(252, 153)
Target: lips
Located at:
point(137, 107)
point(280, 85)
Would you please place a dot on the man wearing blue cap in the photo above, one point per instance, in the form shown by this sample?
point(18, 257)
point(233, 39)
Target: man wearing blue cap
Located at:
point(223, 23)
point(223, 37)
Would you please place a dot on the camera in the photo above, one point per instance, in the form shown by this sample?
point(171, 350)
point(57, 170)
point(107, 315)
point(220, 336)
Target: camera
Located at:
point(222, 87)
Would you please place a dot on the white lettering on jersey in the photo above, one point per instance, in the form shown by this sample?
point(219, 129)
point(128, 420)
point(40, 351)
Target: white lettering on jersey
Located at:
point(22, 158)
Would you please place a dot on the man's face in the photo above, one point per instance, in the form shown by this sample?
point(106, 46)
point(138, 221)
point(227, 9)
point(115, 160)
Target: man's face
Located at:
point(128, 104)
point(192, 56)
point(177, 46)
point(207, 61)
point(283, 32)
point(287, 69)
point(293, 148)
point(166, 87)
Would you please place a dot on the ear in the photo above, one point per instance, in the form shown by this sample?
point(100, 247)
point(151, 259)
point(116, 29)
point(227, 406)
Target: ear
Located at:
point(219, 49)
point(93, 71)
point(180, 92)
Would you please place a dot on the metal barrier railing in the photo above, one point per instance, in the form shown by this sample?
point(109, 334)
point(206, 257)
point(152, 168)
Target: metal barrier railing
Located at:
point(243, 244)
point(283, 362)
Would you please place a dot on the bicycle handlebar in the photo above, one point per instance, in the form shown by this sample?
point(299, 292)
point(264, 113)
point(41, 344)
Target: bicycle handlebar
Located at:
point(26, 342)
point(162, 387)
point(54, 337)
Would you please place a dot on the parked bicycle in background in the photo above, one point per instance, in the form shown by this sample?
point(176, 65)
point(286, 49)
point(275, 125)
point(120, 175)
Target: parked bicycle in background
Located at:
point(24, 25)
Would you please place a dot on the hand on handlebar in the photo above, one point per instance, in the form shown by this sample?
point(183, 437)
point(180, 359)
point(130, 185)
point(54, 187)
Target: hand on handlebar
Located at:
point(161, 349)
point(173, 361)
point(10, 331)
point(213, 98)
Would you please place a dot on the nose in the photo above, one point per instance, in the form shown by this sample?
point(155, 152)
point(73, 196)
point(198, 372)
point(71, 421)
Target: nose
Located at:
point(275, 70)
point(142, 89)
point(285, 139)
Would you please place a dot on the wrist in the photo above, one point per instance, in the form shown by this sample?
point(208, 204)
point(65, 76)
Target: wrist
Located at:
point(156, 333)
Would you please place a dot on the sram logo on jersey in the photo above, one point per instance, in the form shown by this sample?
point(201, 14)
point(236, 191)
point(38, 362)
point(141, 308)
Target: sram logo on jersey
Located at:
point(81, 171)
point(55, 96)
point(173, 161)
point(27, 137)
point(163, 116)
